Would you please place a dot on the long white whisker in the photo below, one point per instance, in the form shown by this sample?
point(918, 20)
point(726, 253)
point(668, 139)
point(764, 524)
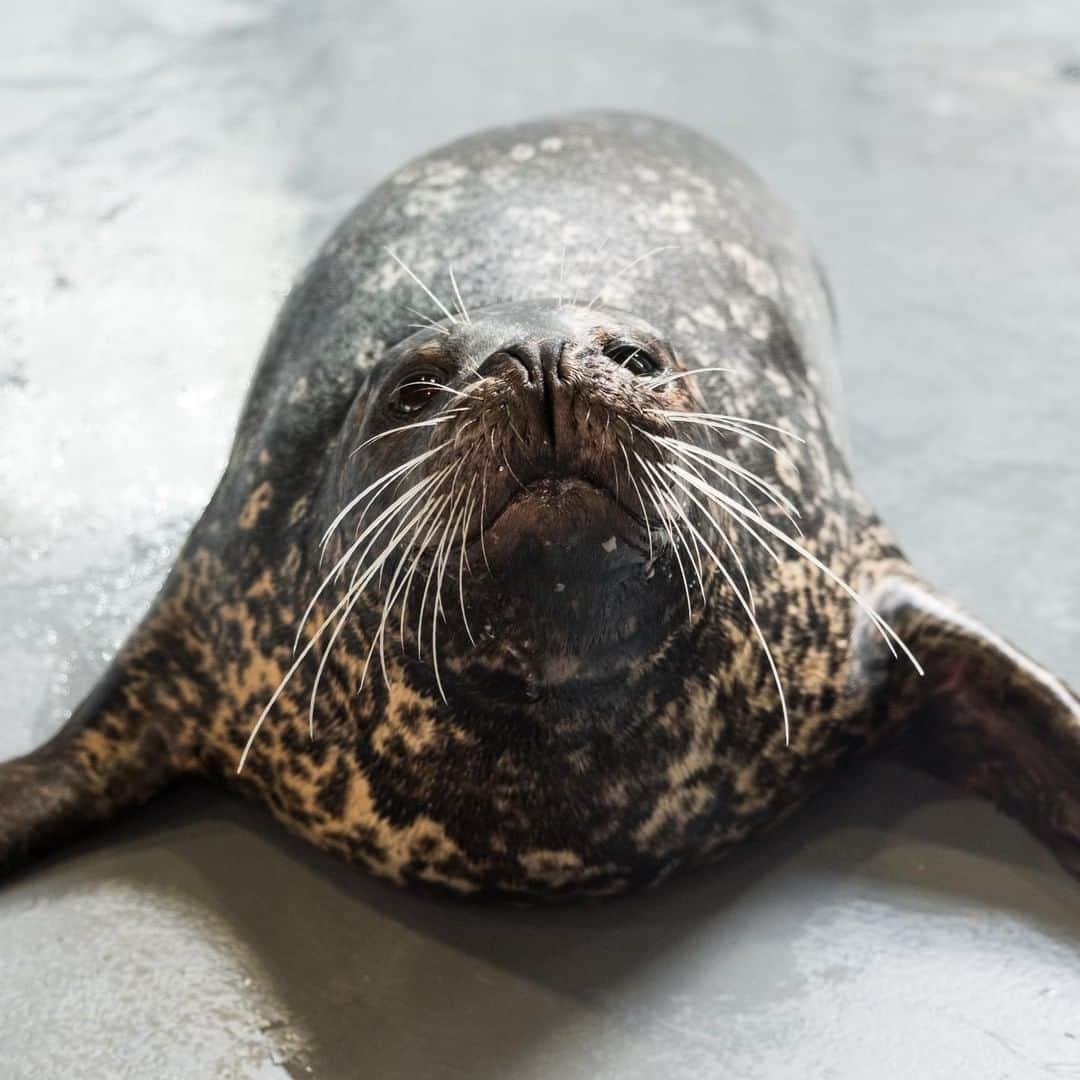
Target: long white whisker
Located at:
point(446, 414)
point(685, 452)
point(436, 606)
point(466, 519)
point(627, 268)
point(751, 615)
point(377, 527)
point(483, 516)
point(435, 573)
point(715, 462)
point(719, 425)
point(442, 307)
point(723, 536)
point(414, 565)
point(439, 478)
point(457, 296)
point(665, 518)
point(288, 675)
point(430, 323)
point(740, 421)
point(392, 593)
point(437, 388)
point(455, 496)
point(663, 490)
point(355, 591)
point(376, 486)
point(664, 379)
point(634, 483)
point(886, 631)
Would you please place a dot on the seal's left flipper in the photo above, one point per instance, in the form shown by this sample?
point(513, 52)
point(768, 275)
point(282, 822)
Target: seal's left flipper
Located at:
point(984, 716)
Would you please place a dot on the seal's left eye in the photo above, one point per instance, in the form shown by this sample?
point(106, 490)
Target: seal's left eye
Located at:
point(634, 358)
point(412, 395)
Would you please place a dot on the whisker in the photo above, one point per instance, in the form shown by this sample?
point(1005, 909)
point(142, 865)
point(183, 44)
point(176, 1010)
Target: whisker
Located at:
point(627, 268)
point(429, 322)
point(723, 536)
point(887, 632)
point(466, 519)
point(664, 517)
point(438, 388)
point(751, 615)
point(393, 591)
point(376, 486)
point(377, 527)
point(431, 572)
point(664, 379)
point(414, 565)
point(457, 296)
point(437, 608)
point(664, 491)
point(634, 483)
point(448, 472)
point(446, 414)
point(690, 453)
point(355, 591)
point(483, 515)
point(741, 421)
point(719, 425)
point(284, 682)
point(438, 303)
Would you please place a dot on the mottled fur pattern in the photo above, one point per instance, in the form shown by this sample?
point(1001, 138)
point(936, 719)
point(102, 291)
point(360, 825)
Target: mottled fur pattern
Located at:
point(544, 789)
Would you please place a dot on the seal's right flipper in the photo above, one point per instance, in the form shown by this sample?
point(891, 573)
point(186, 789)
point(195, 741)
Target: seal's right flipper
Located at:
point(984, 716)
point(114, 753)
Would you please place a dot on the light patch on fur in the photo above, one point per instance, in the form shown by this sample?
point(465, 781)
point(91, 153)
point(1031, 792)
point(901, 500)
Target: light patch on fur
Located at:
point(256, 503)
point(676, 214)
point(707, 315)
point(553, 868)
point(759, 275)
point(299, 390)
point(750, 316)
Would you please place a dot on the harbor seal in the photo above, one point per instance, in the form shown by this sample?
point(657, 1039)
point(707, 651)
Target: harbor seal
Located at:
point(537, 568)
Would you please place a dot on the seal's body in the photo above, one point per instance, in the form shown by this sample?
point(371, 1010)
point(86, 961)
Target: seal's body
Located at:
point(545, 575)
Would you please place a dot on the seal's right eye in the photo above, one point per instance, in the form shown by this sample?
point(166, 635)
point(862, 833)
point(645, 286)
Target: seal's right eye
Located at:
point(412, 395)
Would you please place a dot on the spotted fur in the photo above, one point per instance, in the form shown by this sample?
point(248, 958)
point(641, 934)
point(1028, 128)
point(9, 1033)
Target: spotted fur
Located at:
point(556, 785)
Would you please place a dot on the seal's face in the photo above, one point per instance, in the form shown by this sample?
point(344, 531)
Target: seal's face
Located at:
point(504, 468)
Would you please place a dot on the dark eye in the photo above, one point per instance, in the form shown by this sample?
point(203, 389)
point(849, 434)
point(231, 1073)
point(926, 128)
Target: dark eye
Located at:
point(415, 392)
point(634, 358)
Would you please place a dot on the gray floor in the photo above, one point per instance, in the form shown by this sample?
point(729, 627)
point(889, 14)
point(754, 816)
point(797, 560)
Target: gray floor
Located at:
point(166, 168)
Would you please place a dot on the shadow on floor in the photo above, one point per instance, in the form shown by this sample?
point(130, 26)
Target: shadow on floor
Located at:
point(387, 982)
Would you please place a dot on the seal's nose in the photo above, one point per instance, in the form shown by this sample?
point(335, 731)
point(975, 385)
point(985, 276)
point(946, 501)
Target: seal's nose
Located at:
point(538, 360)
point(545, 390)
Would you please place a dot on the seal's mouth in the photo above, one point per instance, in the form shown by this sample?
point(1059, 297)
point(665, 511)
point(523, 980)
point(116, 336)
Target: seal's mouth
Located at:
point(565, 515)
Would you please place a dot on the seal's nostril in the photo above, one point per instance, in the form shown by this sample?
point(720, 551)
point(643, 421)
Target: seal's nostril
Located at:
point(522, 355)
point(527, 358)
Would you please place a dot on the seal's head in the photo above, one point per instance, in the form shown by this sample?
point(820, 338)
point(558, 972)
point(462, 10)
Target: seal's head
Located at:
point(510, 510)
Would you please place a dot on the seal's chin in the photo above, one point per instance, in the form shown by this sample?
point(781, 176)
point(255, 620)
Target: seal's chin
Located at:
point(566, 597)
